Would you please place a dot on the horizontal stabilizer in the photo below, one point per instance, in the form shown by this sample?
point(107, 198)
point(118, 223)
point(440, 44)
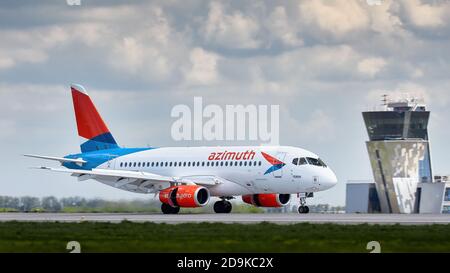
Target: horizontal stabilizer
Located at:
point(60, 159)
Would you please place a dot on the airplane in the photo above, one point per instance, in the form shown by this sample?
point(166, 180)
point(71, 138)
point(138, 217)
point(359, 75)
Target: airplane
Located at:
point(187, 177)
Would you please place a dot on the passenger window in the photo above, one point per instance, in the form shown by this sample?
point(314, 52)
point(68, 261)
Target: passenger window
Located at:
point(217, 164)
point(134, 164)
point(203, 163)
point(153, 164)
point(184, 164)
point(259, 163)
point(240, 163)
point(221, 163)
point(226, 164)
point(235, 163)
point(198, 163)
point(121, 164)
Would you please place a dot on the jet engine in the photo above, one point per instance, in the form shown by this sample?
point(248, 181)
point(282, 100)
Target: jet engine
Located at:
point(273, 200)
point(185, 196)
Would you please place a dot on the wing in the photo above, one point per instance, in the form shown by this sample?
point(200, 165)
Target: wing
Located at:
point(142, 182)
point(205, 180)
point(136, 181)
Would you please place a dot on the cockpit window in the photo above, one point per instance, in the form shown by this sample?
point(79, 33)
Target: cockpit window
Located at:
point(321, 162)
point(302, 161)
point(299, 161)
point(316, 161)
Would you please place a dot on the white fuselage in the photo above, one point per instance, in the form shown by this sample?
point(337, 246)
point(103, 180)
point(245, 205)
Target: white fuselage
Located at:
point(241, 169)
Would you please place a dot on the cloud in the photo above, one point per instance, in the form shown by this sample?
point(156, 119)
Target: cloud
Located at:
point(234, 30)
point(203, 68)
point(134, 57)
point(384, 20)
point(316, 126)
point(426, 15)
point(152, 52)
point(320, 126)
point(283, 28)
point(371, 66)
point(29, 46)
point(336, 18)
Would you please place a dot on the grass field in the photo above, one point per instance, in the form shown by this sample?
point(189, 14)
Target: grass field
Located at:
point(206, 237)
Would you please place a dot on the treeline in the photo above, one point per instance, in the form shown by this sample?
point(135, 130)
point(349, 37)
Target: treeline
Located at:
point(86, 205)
point(74, 204)
point(326, 208)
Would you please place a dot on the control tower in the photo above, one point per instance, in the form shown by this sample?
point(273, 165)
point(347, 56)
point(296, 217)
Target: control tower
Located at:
point(399, 153)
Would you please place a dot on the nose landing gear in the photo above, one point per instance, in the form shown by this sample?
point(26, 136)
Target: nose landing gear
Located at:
point(303, 208)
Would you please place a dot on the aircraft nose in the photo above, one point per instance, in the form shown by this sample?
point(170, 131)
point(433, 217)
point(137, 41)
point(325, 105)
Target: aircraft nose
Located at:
point(329, 180)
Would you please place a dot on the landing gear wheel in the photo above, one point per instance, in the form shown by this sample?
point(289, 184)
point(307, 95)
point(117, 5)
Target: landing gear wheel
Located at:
point(175, 210)
point(303, 209)
point(228, 207)
point(167, 209)
point(222, 207)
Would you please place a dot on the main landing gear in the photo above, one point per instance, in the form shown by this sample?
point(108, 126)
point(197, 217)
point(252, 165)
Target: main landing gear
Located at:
point(222, 206)
point(168, 209)
point(303, 208)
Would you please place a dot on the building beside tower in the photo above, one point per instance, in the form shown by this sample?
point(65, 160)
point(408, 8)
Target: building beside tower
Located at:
point(399, 154)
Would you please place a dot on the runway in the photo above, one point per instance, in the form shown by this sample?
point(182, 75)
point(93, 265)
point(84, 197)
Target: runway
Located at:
point(281, 218)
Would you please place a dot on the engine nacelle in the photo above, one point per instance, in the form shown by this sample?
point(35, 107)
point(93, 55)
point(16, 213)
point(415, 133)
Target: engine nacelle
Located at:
point(185, 196)
point(273, 200)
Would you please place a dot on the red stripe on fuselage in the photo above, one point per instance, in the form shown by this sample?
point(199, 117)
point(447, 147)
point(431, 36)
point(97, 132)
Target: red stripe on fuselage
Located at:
point(89, 122)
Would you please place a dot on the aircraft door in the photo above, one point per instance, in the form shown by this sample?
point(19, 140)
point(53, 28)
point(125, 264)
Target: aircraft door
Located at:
point(315, 182)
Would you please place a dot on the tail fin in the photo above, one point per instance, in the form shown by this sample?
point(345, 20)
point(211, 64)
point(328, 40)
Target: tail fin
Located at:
point(91, 127)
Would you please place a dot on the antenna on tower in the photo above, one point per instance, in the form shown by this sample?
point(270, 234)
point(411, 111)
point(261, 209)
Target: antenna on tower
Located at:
point(384, 100)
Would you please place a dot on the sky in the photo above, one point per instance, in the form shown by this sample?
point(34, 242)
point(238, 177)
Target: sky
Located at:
point(322, 62)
